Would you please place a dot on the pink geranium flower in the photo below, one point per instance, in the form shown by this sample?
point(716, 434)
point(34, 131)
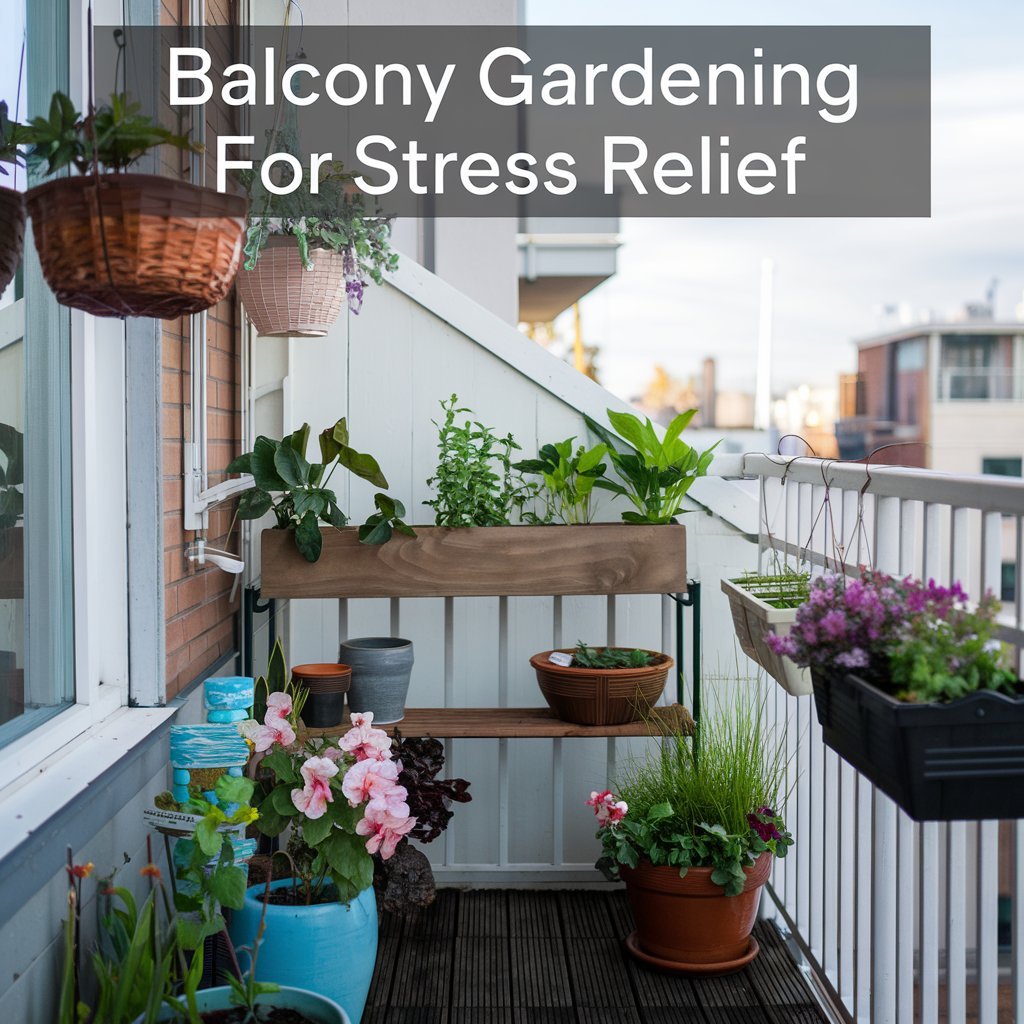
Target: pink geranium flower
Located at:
point(385, 831)
point(370, 780)
point(608, 810)
point(313, 798)
point(364, 742)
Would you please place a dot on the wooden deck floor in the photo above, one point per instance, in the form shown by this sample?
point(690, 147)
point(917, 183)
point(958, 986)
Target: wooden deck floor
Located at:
point(515, 957)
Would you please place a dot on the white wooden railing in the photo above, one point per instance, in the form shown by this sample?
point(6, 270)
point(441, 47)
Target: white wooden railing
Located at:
point(901, 920)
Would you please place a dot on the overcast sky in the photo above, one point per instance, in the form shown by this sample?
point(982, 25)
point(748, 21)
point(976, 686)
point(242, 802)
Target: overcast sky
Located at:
point(688, 288)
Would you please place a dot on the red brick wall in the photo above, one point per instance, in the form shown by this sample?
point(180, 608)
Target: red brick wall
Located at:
point(201, 620)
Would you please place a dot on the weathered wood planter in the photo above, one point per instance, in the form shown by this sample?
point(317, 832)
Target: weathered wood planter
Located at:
point(940, 762)
point(752, 619)
point(481, 561)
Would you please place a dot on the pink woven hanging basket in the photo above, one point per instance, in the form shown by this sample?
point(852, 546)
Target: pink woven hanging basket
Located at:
point(285, 300)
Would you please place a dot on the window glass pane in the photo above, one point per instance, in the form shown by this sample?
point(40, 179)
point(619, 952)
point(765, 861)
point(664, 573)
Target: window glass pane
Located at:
point(36, 667)
point(1002, 466)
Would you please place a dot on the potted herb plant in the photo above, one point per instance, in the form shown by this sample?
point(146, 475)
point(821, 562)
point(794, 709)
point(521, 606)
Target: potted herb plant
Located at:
point(913, 688)
point(297, 491)
point(601, 686)
point(655, 472)
point(763, 604)
point(343, 802)
point(307, 255)
point(119, 244)
point(570, 475)
point(691, 829)
point(13, 139)
point(12, 507)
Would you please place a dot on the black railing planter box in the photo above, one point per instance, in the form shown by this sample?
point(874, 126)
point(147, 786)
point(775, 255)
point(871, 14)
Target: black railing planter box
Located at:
point(479, 561)
point(960, 761)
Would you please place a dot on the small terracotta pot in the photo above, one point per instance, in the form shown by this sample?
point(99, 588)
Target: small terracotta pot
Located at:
point(327, 685)
point(690, 923)
point(601, 696)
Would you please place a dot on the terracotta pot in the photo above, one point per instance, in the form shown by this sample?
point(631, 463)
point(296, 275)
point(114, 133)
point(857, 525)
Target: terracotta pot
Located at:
point(690, 923)
point(12, 234)
point(12, 563)
point(601, 696)
point(327, 685)
point(285, 300)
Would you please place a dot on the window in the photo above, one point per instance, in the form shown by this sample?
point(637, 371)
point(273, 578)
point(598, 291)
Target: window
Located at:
point(1008, 583)
point(36, 667)
point(1003, 465)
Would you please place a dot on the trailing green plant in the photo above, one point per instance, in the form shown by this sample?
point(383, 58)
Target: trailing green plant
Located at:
point(784, 589)
point(710, 800)
point(12, 475)
point(475, 483)
point(297, 491)
point(114, 136)
point(656, 473)
point(609, 657)
point(14, 138)
point(569, 475)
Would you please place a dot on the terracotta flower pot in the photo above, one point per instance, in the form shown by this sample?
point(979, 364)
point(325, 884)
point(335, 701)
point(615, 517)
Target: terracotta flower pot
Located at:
point(136, 244)
point(327, 686)
point(285, 300)
point(601, 696)
point(12, 234)
point(689, 924)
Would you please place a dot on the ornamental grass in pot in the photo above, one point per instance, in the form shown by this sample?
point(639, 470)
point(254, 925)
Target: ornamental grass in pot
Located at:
point(691, 829)
point(601, 685)
point(120, 244)
point(913, 687)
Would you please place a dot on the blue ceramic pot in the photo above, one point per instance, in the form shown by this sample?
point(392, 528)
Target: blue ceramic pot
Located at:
point(316, 1008)
point(328, 948)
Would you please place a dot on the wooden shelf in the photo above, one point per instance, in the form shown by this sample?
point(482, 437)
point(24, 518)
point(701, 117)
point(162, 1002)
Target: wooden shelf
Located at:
point(522, 723)
point(488, 561)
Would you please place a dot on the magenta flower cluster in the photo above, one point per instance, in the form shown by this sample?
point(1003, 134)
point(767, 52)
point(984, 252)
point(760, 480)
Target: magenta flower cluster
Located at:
point(854, 624)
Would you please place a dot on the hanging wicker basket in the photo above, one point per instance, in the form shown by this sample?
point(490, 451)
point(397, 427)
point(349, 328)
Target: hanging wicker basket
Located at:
point(136, 244)
point(12, 234)
point(283, 299)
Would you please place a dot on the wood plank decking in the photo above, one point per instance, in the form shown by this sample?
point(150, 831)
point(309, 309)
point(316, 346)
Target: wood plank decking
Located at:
point(515, 957)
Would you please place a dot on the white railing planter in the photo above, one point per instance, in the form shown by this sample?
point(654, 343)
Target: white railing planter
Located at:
point(753, 618)
point(960, 761)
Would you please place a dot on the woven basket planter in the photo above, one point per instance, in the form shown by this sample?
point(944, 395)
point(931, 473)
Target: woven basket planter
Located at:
point(753, 618)
point(136, 244)
point(285, 300)
point(601, 696)
point(12, 234)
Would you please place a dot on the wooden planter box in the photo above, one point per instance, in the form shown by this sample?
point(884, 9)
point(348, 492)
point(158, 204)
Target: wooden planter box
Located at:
point(481, 561)
point(12, 563)
point(752, 618)
point(960, 761)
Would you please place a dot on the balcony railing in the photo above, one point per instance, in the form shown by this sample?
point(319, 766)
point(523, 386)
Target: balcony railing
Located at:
point(985, 384)
point(903, 921)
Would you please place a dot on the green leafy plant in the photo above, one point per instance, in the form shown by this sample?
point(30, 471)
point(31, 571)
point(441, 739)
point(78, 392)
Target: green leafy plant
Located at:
point(474, 482)
point(210, 879)
point(115, 136)
point(656, 473)
point(14, 138)
point(609, 657)
point(785, 589)
point(297, 490)
point(569, 478)
point(704, 801)
point(12, 475)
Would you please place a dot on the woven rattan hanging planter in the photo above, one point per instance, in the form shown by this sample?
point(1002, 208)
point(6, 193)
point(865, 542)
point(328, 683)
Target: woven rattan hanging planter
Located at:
point(285, 300)
point(136, 244)
point(12, 234)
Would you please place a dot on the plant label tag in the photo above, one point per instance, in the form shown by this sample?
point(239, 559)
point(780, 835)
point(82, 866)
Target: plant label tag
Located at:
point(560, 658)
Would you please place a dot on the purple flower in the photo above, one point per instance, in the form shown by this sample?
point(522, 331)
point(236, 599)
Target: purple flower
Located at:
point(354, 292)
point(833, 624)
point(762, 821)
point(852, 659)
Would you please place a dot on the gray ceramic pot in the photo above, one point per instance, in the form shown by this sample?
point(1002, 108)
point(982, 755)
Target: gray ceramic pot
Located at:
point(381, 666)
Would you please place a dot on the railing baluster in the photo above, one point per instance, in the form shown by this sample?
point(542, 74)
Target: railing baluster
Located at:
point(956, 923)
point(1017, 910)
point(929, 901)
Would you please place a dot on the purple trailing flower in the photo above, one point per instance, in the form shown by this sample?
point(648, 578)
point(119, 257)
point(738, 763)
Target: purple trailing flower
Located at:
point(764, 822)
point(354, 292)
